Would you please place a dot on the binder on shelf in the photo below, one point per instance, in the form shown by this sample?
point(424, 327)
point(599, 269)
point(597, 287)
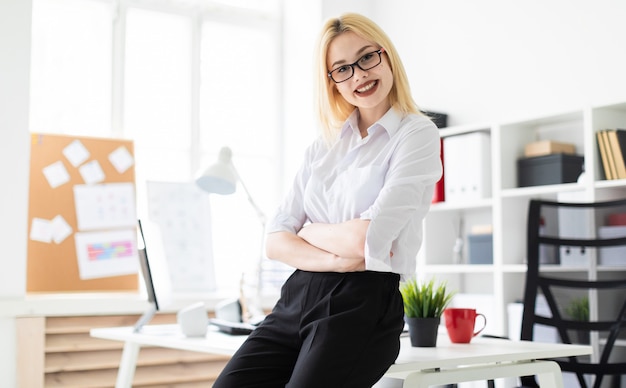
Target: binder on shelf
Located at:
point(467, 166)
point(439, 193)
point(441, 121)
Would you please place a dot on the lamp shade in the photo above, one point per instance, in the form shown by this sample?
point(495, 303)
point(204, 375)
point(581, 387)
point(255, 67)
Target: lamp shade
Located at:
point(221, 177)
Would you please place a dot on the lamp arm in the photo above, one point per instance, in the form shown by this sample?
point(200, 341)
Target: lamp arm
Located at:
point(256, 207)
point(249, 310)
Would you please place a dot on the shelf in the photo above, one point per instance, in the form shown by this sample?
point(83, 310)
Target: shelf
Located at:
point(461, 129)
point(619, 342)
point(514, 268)
point(506, 209)
point(611, 183)
point(457, 268)
point(540, 191)
point(510, 268)
point(563, 268)
point(521, 268)
point(612, 268)
point(456, 206)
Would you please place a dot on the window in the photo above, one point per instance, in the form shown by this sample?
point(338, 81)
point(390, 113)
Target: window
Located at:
point(181, 79)
point(247, 66)
point(71, 67)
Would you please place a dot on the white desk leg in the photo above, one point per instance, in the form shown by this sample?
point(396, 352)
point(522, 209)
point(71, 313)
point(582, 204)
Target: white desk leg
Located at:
point(126, 372)
point(549, 374)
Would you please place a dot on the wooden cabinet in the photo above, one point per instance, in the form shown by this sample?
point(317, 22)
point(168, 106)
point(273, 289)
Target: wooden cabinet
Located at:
point(59, 352)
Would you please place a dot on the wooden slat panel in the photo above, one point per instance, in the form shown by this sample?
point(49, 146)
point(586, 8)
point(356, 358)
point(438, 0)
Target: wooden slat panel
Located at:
point(192, 384)
point(78, 343)
point(74, 359)
point(144, 376)
point(30, 342)
point(177, 373)
point(106, 359)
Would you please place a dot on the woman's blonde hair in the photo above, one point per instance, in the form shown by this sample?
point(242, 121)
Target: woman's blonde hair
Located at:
point(332, 108)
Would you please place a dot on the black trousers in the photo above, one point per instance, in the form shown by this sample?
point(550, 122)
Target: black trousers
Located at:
point(327, 330)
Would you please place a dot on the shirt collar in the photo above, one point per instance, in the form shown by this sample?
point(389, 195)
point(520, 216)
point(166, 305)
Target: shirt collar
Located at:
point(390, 122)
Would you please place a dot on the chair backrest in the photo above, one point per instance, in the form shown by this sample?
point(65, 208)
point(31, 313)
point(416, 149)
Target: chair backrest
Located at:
point(590, 252)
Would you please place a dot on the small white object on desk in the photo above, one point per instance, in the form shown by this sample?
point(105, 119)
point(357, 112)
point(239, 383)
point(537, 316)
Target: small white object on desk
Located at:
point(193, 320)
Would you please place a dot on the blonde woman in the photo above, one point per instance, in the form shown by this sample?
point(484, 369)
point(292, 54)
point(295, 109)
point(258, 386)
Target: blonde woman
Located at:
point(351, 225)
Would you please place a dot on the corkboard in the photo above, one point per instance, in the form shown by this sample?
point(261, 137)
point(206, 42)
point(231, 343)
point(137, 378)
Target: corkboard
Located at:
point(52, 266)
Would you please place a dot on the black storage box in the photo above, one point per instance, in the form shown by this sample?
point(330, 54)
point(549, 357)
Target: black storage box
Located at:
point(549, 169)
point(440, 119)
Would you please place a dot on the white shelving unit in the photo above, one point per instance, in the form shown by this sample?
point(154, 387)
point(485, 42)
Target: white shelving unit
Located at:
point(506, 210)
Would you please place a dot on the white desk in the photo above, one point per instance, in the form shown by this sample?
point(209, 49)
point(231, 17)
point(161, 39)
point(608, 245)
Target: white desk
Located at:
point(483, 359)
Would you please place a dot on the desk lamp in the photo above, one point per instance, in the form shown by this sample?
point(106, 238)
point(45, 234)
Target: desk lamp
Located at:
point(221, 178)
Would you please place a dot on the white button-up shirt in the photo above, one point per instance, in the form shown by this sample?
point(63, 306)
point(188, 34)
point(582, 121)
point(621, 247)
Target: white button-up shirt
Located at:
point(387, 177)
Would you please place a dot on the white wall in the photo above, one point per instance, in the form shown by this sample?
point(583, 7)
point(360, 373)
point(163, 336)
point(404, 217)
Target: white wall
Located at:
point(15, 21)
point(494, 60)
point(333, 8)
point(14, 151)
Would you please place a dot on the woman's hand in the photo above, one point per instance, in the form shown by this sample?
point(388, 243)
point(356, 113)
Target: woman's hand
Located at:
point(349, 265)
point(296, 252)
point(346, 239)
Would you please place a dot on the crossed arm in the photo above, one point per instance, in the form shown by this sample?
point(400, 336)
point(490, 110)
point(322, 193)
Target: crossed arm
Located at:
point(322, 247)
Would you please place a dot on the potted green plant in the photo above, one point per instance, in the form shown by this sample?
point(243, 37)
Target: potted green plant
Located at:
point(423, 305)
point(578, 310)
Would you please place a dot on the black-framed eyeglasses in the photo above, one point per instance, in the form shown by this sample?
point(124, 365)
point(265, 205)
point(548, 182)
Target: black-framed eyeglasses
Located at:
point(366, 62)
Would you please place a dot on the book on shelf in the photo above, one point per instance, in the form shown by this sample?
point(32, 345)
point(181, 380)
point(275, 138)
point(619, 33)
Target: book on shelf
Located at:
point(612, 147)
point(603, 155)
point(617, 139)
point(609, 155)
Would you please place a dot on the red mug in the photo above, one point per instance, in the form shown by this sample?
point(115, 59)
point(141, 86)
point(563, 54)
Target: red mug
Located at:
point(461, 324)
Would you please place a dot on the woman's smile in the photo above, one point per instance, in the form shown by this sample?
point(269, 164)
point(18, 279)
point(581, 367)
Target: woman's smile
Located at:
point(367, 89)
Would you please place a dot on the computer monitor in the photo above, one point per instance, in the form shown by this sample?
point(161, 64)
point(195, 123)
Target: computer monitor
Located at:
point(154, 271)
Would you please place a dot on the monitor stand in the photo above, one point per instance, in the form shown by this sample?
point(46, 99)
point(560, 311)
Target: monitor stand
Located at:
point(145, 318)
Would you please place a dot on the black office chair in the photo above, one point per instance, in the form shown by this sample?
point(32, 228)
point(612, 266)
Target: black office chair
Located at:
point(562, 289)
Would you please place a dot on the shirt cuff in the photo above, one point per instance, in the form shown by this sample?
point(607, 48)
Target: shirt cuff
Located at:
point(374, 264)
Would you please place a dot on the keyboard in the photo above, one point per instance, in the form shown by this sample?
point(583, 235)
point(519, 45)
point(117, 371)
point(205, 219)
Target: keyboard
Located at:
point(233, 328)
